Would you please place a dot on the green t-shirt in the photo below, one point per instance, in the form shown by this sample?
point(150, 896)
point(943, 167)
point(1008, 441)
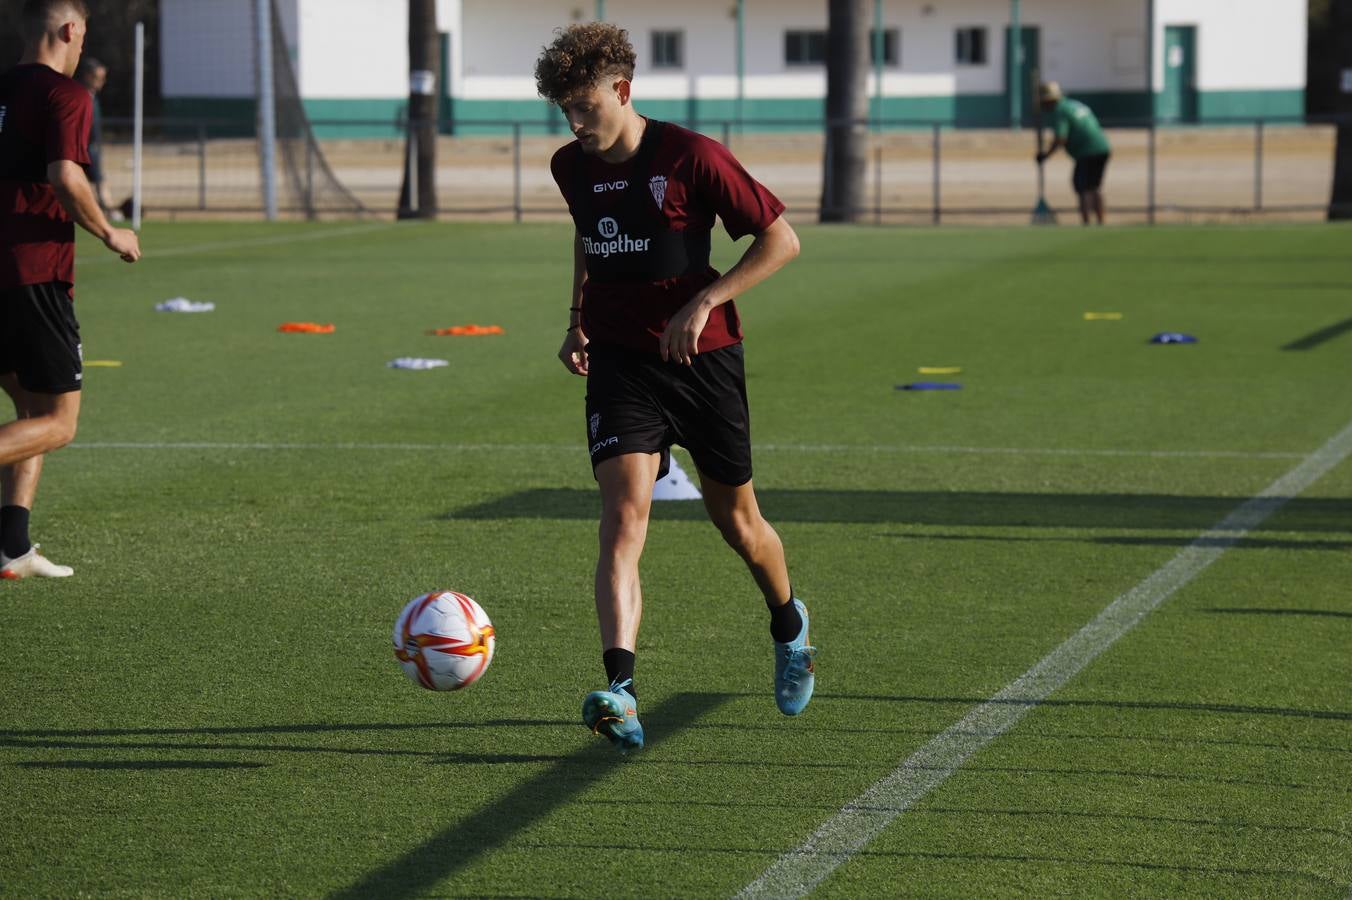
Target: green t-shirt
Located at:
point(1076, 124)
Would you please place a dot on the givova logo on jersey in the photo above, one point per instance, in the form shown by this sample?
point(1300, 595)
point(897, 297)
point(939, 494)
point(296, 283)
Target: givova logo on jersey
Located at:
point(612, 241)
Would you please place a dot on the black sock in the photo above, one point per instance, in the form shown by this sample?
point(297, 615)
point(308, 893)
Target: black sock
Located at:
point(14, 531)
point(785, 621)
point(620, 666)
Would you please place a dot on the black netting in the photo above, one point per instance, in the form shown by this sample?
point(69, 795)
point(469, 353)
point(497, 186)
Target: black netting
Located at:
point(305, 182)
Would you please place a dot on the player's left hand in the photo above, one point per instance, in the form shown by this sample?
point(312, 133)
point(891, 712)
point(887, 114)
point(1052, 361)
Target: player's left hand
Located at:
point(680, 342)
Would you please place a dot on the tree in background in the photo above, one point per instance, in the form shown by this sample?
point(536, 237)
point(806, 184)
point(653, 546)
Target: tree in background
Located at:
point(424, 55)
point(847, 64)
point(1340, 24)
point(1320, 61)
point(112, 27)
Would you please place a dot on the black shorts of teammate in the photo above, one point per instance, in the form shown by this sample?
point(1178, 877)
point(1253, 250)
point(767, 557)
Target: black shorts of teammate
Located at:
point(636, 403)
point(1088, 174)
point(40, 338)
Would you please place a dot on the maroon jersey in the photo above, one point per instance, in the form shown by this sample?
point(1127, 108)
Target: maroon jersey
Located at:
point(44, 117)
point(645, 224)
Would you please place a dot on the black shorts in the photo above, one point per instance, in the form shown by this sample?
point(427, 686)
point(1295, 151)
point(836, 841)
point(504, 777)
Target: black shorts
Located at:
point(1088, 174)
point(40, 338)
point(636, 403)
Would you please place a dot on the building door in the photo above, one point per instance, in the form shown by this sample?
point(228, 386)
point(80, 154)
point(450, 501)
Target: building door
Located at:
point(1178, 102)
point(1029, 67)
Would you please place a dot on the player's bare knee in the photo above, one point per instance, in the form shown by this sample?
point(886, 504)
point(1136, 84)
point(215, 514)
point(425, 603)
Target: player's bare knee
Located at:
point(623, 524)
point(741, 531)
point(60, 433)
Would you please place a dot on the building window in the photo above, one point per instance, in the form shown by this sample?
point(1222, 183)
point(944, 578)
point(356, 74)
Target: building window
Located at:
point(891, 47)
point(808, 48)
point(971, 47)
point(668, 49)
point(805, 48)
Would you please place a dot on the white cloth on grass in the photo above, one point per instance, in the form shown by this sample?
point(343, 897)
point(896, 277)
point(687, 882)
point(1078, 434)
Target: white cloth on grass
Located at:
point(184, 305)
point(413, 362)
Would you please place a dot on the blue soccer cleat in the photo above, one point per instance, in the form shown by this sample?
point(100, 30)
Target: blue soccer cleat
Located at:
point(613, 714)
point(794, 675)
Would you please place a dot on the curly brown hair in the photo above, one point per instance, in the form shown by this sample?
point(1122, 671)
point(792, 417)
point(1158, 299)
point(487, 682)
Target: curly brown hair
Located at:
point(580, 56)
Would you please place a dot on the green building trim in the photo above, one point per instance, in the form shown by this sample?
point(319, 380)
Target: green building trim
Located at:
point(383, 117)
point(1213, 105)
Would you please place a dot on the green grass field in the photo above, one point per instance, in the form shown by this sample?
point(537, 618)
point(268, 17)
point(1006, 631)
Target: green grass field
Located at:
point(211, 708)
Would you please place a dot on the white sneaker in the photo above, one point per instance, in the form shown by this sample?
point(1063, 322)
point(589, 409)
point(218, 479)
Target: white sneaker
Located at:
point(32, 564)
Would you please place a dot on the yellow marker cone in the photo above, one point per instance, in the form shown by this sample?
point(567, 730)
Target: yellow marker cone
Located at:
point(939, 370)
point(1097, 316)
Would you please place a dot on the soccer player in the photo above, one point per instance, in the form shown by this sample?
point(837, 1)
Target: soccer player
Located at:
point(44, 130)
point(654, 330)
point(1075, 127)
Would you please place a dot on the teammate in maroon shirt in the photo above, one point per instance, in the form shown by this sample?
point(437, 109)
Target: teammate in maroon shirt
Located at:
point(654, 330)
point(44, 193)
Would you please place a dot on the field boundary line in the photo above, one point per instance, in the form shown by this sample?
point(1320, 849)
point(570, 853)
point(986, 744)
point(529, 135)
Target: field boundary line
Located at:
point(769, 448)
point(797, 872)
point(249, 242)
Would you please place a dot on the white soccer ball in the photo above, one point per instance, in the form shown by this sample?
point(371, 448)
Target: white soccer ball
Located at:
point(443, 640)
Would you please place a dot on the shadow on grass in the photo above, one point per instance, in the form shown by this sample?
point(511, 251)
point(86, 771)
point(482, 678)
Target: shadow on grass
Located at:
point(152, 738)
point(1222, 824)
point(134, 764)
point(798, 806)
point(1130, 774)
point(1328, 613)
point(441, 757)
point(920, 855)
point(33, 743)
point(294, 728)
point(1323, 335)
point(1166, 705)
point(970, 508)
point(482, 830)
point(1246, 543)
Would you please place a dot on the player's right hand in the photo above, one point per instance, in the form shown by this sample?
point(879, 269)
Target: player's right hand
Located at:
point(573, 353)
point(123, 242)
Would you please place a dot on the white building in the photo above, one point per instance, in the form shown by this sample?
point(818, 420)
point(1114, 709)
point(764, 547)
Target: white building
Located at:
point(758, 61)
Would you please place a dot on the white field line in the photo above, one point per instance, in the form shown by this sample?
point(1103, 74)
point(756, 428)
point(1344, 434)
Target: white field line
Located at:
point(265, 445)
point(799, 871)
point(152, 254)
point(769, 448)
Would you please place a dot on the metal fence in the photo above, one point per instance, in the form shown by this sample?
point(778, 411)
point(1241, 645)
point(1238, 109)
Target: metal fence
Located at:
point(918, 172)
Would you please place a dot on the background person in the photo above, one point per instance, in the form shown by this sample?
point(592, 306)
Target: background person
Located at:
point(94, 75)
point(43, 193)
point(1075, 127)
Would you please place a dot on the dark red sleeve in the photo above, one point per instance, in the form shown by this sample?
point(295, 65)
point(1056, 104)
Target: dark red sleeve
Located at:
point(744, 204)
point(561, 167)
point(72, 109)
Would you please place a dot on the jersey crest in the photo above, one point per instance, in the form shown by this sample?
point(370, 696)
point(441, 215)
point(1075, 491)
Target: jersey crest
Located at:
point(658, 185)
